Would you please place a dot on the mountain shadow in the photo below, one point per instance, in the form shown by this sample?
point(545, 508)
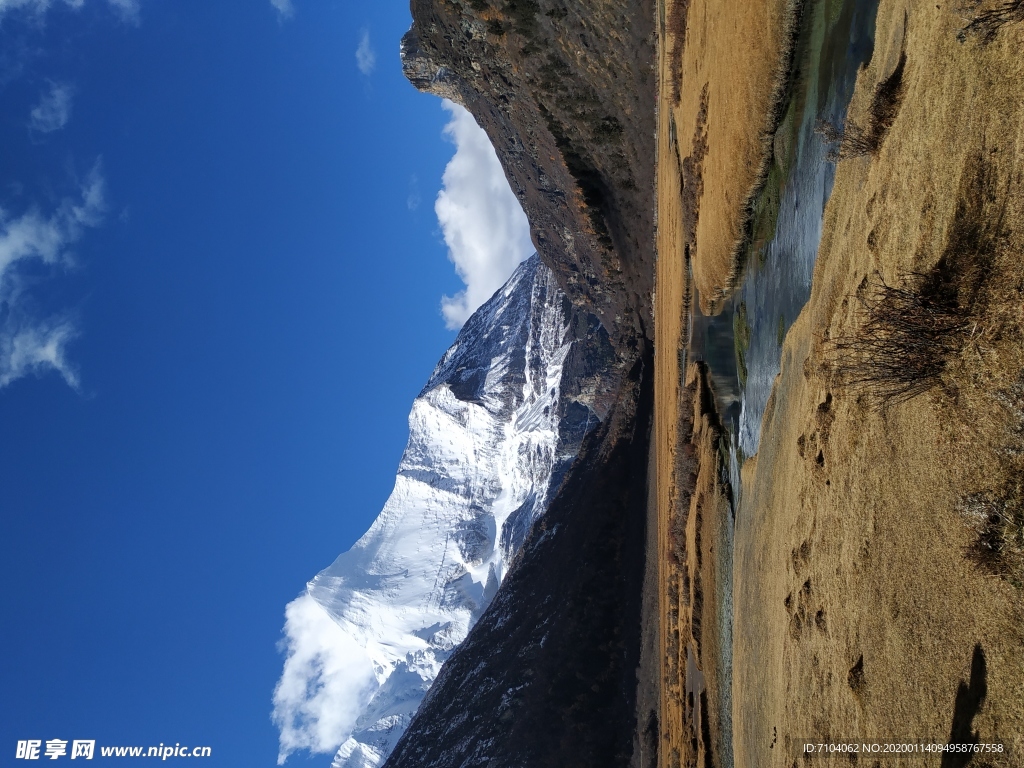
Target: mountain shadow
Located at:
point(547, 677)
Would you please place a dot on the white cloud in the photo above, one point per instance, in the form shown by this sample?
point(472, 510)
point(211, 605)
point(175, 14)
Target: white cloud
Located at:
point(29, 345)
point(366, 57)
point(128, 9)
point(36, 348)
point(53, 110)
point(483, 224)
point(284, 8)
point(325, 683)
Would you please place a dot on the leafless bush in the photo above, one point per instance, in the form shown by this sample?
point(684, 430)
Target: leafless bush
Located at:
point(677, 17)
point(853, 140)
point(901, 349)
point(849, 140)
point(909, 333)
point(985, 23)
point(888, 96)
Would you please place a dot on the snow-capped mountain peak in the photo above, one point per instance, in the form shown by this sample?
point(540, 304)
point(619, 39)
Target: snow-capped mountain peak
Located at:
point(490, 437)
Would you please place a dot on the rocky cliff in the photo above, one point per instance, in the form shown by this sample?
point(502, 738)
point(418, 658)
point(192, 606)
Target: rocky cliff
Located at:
point(566, 93)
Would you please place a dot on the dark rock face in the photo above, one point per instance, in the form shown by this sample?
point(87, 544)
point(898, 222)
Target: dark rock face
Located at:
point(547, 677)
point(566, 93)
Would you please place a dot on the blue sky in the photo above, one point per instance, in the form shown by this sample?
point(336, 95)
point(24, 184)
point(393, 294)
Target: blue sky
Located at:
point(221, 286)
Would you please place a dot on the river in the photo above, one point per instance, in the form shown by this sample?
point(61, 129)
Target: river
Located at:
point(742, 345)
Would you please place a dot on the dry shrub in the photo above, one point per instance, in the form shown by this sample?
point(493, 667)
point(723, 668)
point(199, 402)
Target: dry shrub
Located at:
point(677, 29)
point(853, 140)
point(985, 22)
point(849, 141)
point(885, 104)
point(908, 335)
point(995, 517)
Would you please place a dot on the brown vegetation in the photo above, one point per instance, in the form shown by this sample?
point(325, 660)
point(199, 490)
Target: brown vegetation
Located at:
point(899, 526)
point(987, 19)
point(904, 343)
point(997, 520)
point(852, 140)
point(911, 332)
point(724, 66)
point(677, 14)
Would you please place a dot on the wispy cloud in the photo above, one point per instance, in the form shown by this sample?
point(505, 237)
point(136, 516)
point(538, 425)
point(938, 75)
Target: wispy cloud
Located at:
point(35, 348)
point(483, 223)
point(366, 57)
point(284, 8)
point(38, 6)
point(412, 202)
point(127, 9)
point(54, 109)
point(28, 344)
point(325, 682)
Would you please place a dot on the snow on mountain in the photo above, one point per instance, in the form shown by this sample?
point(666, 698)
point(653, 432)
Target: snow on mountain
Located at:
point(490, 437)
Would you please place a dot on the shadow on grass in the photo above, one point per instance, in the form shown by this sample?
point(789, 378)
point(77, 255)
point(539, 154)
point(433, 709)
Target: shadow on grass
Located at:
point(969, 698)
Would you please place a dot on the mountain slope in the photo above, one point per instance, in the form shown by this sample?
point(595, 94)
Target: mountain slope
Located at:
point(490, 438)
point(564, 91)
point(547, 677)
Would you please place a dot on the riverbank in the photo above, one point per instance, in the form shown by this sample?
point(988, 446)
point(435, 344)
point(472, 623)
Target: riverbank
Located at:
point(696, 583)
point(875, 592)
point(725, 70)
point(722, 73)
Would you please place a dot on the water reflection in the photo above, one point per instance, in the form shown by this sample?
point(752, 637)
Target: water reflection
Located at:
point(743, 344)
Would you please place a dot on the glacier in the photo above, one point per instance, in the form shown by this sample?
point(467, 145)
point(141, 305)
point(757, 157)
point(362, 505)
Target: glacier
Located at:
point(491, 436)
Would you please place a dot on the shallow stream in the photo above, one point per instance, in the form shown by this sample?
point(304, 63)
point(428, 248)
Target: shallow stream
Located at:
point(742, 345)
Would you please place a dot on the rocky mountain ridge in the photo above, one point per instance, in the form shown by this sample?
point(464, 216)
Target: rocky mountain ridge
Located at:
point(565, 93)
point(547, 677)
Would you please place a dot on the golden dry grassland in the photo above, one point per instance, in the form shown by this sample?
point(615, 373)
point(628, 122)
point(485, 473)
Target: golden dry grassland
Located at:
point(879, 561)
point(725, 67)
point(876, 587)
